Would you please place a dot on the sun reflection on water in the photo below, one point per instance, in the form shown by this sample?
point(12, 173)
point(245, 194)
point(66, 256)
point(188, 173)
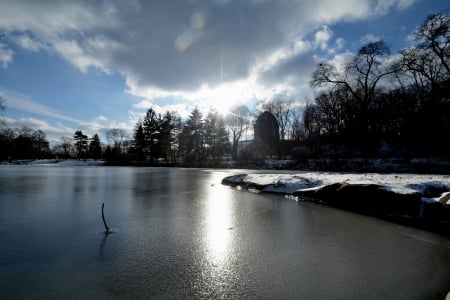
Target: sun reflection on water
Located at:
point(219, 274)
point(219, 226)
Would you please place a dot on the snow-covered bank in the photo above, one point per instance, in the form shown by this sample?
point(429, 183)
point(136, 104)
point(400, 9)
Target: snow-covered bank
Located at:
point(56, 162)
point(421, 200)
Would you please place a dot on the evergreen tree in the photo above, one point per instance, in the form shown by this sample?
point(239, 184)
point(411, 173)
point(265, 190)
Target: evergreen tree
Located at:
point(166, 138)
point(152, 128)
point(95, 148)
point(176, 129)
point(139, 142)
point(192, 137)
point(81, 144)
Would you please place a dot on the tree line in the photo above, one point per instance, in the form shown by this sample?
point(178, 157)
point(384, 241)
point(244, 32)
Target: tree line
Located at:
point(376, 104)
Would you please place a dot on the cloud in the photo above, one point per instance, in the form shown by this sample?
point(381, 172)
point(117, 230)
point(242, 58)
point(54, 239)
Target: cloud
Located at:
point(27, 42)
point(369, 38)
point(54, 132)
point(211, 51)
point(24, 103)
point(404, 4)
point(322, 37)
point(6, 56)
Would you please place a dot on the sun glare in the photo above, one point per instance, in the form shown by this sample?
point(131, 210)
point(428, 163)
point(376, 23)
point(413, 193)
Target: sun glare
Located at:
point(219, 221)
point(222, 106)
point(225, 96)
point(223, 99)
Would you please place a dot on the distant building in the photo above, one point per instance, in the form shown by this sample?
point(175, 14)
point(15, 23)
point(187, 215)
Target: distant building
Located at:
point(267, 136)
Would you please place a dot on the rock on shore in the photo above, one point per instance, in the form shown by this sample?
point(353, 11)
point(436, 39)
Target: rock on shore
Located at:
point(414, 200)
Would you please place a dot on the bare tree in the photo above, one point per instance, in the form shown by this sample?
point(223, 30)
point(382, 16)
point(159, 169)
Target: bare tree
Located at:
point(420, 68)
point(296, 130)
point(427, 65)
point(238, 121)
point(116, 137)
point(330, 112)
point(434, 35)
point(311, 125)
point(361, 77)
point(66, 145)
point(282, 110)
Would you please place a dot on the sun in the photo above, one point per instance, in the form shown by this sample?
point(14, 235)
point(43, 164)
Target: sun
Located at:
point(222, 106)
point(225, 97)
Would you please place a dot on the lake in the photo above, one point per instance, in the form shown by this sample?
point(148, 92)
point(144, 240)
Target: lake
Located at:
point(180, 234)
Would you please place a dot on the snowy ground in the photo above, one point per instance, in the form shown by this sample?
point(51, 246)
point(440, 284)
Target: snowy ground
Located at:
point(398, 183)
point(56, 162)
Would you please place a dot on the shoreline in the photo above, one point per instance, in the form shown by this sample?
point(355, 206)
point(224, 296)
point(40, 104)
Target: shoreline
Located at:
point(418, 201)
point(351, 165)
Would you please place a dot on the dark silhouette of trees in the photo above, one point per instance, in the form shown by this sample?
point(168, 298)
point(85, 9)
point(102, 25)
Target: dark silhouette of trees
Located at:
point(151, 126)
point(40, 144)
point(156, 137)
point(238, 122)
point(433, 36)
point(216, 136)
point(23, 143)
point(361, 78)
point(81, 144)
point(282, 110)
point(175, 135)
point(382, 106)
point(116, 137)
point(192, 138)
point(95, 147)
point(65, 146)
point(138, 143)
point(166, 139)
point(7, 146)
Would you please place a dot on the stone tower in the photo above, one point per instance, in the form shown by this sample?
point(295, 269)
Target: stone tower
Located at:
point(267, 136)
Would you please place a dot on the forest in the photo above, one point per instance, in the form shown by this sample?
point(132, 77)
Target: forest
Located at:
point(377, 104)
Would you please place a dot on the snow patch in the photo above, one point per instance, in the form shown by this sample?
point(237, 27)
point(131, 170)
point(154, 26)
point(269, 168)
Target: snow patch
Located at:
point(398, 183)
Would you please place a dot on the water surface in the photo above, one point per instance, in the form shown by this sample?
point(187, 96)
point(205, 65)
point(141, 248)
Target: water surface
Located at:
point(180, 234)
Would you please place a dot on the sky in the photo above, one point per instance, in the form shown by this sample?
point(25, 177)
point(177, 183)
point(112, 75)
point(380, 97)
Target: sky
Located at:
point(99, 64)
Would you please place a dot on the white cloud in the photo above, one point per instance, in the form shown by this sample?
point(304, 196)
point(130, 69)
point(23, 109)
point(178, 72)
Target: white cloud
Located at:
point(29, 43)
point(368, 38)
point(100, 118)
point(341, 60)
point(79, 57)
point(339, 44)
point(24, 103)
point(53, 131)
point(6, 56)
point(330, 11)
point(404, 4)
point(322, 37)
